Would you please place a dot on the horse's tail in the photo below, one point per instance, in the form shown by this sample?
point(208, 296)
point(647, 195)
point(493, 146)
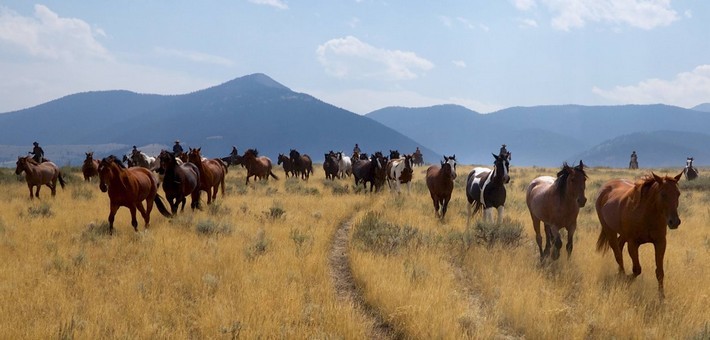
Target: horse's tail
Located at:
point(61, 180)
point(161, 206)
point(224, 165)
point(272, 175)
point(476, 207)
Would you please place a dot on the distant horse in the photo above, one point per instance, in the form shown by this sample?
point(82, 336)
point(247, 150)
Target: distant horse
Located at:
point(345, 165)
point(179, 181)
point(212, 173)
point(556, 202)
point(690, 171)
point(284, 161)
point(38, 174)
point(128, 161)
point(394, 154)
point(143, 160)
point(257, 166)
point(90, 168)
point(331, 167)
point(129, 187)
point(418, 159)
point(638, 213)
point(233, 159)
point(440, 181)
point(399, 171)
point(302, 164)
point(485, 188)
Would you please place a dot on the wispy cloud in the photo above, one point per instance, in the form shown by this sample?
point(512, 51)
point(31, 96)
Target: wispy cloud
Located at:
point(570, 14)
point(273, 3)
point(459, 63)
point(194, 56)
point(351, 58)
point(527, 23)
point(687, 89)
point(46, 35)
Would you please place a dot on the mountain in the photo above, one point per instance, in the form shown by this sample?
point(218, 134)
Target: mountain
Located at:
point(540, 135)
point(253, 111)
point(705, 107)
point(654, 149)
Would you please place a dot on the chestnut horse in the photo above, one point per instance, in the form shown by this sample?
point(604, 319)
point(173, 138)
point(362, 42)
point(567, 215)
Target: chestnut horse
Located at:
point(90, 168)
point(180, 180)
point(302, 164)
point(38, 174)
point(440, 181)
point(212, 173)
point(257, 166)
point(556, 202)
point(129, 187)
point(638, 213)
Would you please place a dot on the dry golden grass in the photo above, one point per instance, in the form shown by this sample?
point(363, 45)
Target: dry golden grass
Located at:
point(255, 264)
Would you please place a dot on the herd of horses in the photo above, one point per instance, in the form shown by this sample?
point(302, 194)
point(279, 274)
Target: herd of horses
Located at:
point(633, 212)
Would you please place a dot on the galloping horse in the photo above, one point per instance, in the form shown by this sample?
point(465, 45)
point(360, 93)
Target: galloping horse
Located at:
point(287, 165)
point(302, 164)
point(212, 173)
point(400, 171)
point(331, 166)
point(129, 187)
point(259, 167)
point(380, 170)
point(556, 202)
point(90, 168)
point(345, 165)
point(143, 160)
point(38, 174)
point(485, 188)
point(366, 171)
point(440, 181)
point(638, 213)
point(232, 159)
point(179, 181)
point(690, 171)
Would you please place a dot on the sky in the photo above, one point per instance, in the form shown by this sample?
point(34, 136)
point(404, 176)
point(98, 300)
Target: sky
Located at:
point(363, 55)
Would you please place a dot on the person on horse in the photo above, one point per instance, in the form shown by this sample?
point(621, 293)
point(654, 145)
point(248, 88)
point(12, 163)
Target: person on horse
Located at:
point(37, 153)
point(177, 148)
point(418, 152)
point(135, 151)
point(504, 152)
point(234, 151)
point(356, 149)
point(634, 163)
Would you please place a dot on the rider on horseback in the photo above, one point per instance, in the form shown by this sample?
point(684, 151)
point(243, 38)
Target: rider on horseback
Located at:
point(37, 153)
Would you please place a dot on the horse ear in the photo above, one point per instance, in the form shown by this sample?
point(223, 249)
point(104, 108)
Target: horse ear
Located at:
point(495, 156)
point(677, 178)
point(658, 179)
point(581, 165)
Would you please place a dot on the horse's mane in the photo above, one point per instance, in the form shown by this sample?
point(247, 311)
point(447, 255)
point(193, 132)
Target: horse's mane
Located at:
point(252, 151)
point(115, 160)
point(562, 176)
point(31, 160)
point(641, 188)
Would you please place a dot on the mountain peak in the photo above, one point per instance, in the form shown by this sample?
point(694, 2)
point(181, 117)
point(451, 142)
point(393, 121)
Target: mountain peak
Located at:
point(256, 79)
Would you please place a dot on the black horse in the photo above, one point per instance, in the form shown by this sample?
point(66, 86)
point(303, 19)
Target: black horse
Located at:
point(302, 164)
point(179, 181)
point(330, 166)
point(368, 170)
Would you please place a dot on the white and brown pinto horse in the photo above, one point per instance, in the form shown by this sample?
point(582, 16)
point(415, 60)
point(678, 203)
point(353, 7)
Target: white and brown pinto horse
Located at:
point(690, 171)
point(399, 171)
point(485, 188)
point(556, 202)
point(38, 174)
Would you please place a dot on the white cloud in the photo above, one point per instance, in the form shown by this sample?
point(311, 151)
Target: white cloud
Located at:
point(570, 14)
point(194, 56)
point(48, 36)
point(687, 89)
point(351, 58)
point(527, 23)
point(273, 3)
point(459, 63)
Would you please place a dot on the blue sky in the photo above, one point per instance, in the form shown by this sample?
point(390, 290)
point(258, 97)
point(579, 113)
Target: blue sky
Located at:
point(363, 55)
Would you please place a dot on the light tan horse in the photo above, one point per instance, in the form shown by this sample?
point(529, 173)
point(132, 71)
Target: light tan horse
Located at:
point(638, 213)
point(38, 174)
point(212, 173)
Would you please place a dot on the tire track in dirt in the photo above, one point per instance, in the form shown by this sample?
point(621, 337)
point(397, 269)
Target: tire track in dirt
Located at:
point(346, 288)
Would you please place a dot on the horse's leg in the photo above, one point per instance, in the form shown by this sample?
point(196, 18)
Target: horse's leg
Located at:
point(501, 209)
point(183, 200)
point(111, 217)
point(487, 215)
point(445, 206)
point(53, 187)
point(556, 240)
point(617, 245)
point(134, 221)
point(660, 246)
point(436, 205)
point(469, 207)
point(144, 213)
point(39, 186)
point(29, 186)
point(570, 240)
point(538, 236)
point(634, 253)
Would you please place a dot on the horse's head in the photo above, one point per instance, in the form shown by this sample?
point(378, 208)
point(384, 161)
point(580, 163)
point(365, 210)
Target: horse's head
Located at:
point(167, 159)
point(408, 162)
point(666, 196)
point(452, 162)
point(394, 154)
point(294, 155)
point(281, 159)
point(573, 181)
point(89, 156)
point(689, 162)
point(21, 164)
point(194, 156)
point(447, 169)
point(502, 168)
point(107, 167)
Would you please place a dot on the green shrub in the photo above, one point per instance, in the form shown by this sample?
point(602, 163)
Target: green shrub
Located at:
point(210, 227)
point(508, 233)
point(259, 245)
point(41, 210)
point(374, 234)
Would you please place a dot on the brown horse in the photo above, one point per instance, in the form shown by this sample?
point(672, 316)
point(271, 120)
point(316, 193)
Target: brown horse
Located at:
point(129, 187)
point(90, 168)
point(638, 213)
point(302, 164)
point(257, 166)
point(212, 173)
point(556, 202)
point(179, 181)
point(287, 165)
point(38, 174)
point(440, 181)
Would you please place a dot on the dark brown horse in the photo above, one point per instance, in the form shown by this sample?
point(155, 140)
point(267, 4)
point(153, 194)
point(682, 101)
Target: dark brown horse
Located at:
point(257, 166)
point(285, 161)
point(212, 173)
point(331, 167)
point(129, 187)
point(90, 168)
point(556, 202)
point(38, 174)
point(440, 181)
point(302, 164)
point(179, 181)
point(638, 213)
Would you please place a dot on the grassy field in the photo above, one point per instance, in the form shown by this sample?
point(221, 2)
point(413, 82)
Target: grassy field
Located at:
point(255, 264)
